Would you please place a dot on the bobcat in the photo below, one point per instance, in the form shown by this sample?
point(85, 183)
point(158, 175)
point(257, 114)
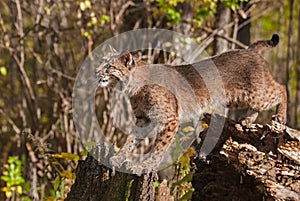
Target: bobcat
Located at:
point(247, 83)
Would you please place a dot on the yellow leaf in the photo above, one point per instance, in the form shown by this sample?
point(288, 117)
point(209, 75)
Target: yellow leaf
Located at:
point(82, 6)
point(56, 155)
point(86, 34)
point(88, 4)
point(8, 194)
point(19, 190)
point(188, 129)
point(209, 111)
point(70, 156)
point(190, 152)
point(65, 155)
point(69, 175)
point(184, 160)
point(5, 189)
point(205, 126)
point(94, 20)
point(3, 70)
point(50, 198)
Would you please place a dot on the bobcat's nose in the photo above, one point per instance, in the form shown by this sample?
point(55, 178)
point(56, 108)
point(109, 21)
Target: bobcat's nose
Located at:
point(103, 83)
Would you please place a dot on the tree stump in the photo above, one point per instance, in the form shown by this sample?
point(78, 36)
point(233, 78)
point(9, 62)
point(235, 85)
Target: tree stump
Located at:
point(261, 163)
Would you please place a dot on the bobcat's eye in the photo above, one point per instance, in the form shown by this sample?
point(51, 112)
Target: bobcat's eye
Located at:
point(107, 65)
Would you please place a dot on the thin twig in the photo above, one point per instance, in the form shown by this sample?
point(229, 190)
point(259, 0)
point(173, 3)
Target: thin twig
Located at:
point(242, 45)
point(11, 122)
point(235, 29)
point(226, 38)
point(20, 61)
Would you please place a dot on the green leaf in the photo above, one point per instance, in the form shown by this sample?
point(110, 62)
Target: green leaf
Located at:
point(105, 18)
point(56, 183)
point(25, 198)
point(185, 179)
point(156, 184)
point(12, 159)
point(187, 196)
point(83, 153)
point(6, 178)
point(70, 156)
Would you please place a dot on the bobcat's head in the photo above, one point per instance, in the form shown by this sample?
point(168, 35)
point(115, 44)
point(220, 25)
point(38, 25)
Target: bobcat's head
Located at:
point(115, 68)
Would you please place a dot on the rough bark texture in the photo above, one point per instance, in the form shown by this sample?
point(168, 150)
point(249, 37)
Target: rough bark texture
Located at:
point(262, 163)
point(297, 106)
point(255, 164)
point(97, 182)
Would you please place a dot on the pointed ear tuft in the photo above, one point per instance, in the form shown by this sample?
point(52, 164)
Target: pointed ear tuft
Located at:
point(129, 61)
point(113, 50)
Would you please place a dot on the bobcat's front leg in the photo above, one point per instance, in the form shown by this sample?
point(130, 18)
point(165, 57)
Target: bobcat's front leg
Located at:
point(129, 146)
point(140, 131)
point(160, 108)
point(161, 144)
point(156, 111)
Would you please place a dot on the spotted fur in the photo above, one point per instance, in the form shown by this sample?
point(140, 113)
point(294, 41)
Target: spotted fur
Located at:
point(245, 76)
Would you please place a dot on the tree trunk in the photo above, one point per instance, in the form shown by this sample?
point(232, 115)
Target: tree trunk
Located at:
point(222, 18)
point(94, 182)
point(289, 65)
point(262, 163)
point(297, 102)
point(244, 32)
point(184, 26)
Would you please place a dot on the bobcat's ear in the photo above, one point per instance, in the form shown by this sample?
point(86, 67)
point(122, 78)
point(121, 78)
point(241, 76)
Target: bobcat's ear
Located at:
point(113, 50)
point(129, 61)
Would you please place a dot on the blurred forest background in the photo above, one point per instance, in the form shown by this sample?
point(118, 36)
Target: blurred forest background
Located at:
point(44, 42)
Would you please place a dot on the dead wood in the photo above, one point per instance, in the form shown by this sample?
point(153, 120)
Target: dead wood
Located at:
point(261, 163)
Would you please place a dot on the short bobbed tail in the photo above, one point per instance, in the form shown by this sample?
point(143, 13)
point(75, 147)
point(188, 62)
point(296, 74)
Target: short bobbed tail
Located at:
point(265, 44)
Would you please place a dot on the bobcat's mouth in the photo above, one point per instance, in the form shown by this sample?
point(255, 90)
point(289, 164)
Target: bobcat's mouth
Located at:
point(103, 83)
point(101, 80)
point(106, 81)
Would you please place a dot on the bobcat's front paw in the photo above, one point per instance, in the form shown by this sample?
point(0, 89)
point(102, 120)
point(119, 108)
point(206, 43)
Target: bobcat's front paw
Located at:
point(244, 125)
point(142, 169)
point(117, 161)
point(279, 118)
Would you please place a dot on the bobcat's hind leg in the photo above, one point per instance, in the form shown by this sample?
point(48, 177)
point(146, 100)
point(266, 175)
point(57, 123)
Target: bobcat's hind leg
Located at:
point(281, 109)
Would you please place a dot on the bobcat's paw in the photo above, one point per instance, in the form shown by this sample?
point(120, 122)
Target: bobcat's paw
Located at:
point(245, 127)
point(278, 123)
point(117, 161)
point(142, 169)
point(247, 123)
point(279, 118)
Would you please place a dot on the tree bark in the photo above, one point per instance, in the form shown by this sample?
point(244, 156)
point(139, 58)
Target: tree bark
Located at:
point(297, 102)
point(243, 34)
point(184, 26)
point(262, 163)
point(289, 65)
point(95, 182)
point(255, 164)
